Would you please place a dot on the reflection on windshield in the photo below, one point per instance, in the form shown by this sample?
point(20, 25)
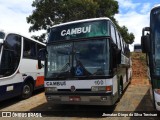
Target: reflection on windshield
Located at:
point(92, 55)
point(155, 26)
point(58, 58)
point(84, 58)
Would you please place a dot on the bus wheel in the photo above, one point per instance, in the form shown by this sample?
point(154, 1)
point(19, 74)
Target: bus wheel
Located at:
point(130, 76)
point(27, 90)
point(121, 88)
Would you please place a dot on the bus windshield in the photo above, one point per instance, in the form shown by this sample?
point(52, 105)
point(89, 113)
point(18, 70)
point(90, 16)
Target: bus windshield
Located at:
point(77, 59)
point(155, 26)
point(10, 55)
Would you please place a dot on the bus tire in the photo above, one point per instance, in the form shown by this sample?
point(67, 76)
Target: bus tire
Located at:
point(121, 88)
point(27, 90)
point(152, 98)
point(130, 77)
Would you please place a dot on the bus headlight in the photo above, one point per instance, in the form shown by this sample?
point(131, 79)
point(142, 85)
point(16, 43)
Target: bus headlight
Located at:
point(157, 91)
point(158, 103)
point(94, 88)
point(101, 88)
point(50, 89)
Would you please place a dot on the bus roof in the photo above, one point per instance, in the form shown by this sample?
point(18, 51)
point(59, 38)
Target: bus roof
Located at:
point(156, 6)
point(7, 32)
point(84, 20)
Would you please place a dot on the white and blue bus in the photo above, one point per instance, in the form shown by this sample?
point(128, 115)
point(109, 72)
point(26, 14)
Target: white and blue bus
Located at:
point(19, 73)
point(150, 42)
point(87, 62)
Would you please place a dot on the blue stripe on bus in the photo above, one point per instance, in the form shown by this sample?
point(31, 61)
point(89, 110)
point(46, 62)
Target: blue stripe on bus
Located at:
point(17, 90)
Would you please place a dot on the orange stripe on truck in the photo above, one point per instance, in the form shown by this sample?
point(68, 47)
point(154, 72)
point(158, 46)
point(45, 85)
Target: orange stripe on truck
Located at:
point(40, 81)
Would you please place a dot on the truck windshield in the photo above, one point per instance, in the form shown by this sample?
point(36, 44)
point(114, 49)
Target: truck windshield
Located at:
point(77, 59)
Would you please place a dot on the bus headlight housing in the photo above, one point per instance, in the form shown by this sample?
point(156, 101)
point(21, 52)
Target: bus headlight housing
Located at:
point(158, 103)
point(50, 89)
point(157, 91)
point(157, 96)
point(101, 88)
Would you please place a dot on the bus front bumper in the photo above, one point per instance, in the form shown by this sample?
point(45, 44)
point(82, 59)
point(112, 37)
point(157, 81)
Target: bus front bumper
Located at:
point(82, 100)
point(157, 100)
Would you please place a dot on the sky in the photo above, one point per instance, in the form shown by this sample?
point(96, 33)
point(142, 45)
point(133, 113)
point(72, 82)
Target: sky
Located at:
point(134, 14)
point(13, 15)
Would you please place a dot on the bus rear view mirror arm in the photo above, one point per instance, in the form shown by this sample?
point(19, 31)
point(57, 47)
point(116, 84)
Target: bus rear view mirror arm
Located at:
point(145, 29)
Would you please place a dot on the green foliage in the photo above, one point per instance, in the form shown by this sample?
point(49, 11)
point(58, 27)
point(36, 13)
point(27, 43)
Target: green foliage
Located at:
point(143, 57)
point(50, 12)
point(129, 37)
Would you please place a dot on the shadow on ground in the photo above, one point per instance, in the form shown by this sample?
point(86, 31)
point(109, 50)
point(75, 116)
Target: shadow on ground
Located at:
point(73, 110)
point(145, 109)
point(12, 101)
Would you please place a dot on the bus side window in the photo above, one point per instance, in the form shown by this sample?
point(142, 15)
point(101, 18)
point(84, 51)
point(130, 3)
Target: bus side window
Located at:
point(29, 49)
point(118, 40)
point(122, 46)
point(11, 55)
point(113, 34)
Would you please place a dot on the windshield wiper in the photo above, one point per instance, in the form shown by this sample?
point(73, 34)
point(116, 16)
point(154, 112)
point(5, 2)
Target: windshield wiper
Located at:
point(63, 73)
point(65, 67)
point(99, 72)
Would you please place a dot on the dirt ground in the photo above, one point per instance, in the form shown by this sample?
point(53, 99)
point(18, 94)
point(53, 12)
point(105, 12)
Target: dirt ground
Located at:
point(139, 68)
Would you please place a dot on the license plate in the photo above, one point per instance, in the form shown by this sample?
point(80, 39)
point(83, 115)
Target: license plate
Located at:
point(74, 98)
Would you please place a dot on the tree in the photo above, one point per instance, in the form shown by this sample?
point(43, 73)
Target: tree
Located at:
point(50, 12)
point(129, 37)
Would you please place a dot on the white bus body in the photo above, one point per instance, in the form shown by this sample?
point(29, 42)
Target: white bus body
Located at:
point(19, 74)
point(87, 63)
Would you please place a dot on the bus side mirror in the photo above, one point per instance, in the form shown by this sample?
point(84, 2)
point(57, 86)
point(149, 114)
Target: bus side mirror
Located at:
point(118, 56)
point(145, 40)
point(39, 64)
point(1, 41)
point(145, 43)
point(41, 56)
point(48, 30)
